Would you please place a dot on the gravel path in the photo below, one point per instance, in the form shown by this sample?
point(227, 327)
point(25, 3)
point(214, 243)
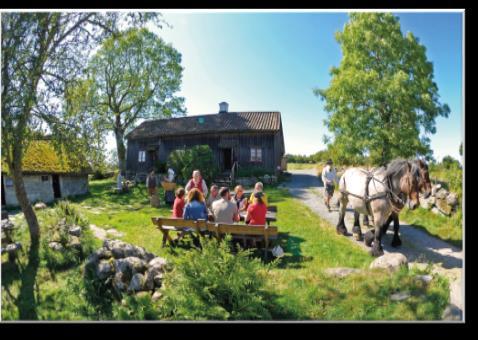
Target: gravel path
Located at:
point(419, 247)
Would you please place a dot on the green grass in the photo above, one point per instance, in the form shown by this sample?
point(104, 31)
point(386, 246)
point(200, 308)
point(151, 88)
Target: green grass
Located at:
point(298, 288)
point(301, 166)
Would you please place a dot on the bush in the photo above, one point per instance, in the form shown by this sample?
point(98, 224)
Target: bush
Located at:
point(215, 284)
point(160, 167)
point(252, 171)
point(200, 157)
point(136, 307)
point(58, 223)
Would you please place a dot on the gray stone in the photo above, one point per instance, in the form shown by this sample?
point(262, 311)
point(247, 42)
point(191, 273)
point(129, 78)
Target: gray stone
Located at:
point(7, 225)
point(437, 211)
point(427, 203)
point(156, 295)
point(390, 261)
point(74, 230)
point(104, 270)
point(424, 278)
point(443, 206)
point(400, 296)
point(75, 242)
point(104, 253)
point(341, 271)
point(130, 264)
point(114, 233)
point(441, 194)
point(452, 199)
point(40, 206)
point(149, 282)
point(137, 283)
point(159, 263)
point(452, 313)
point(13, 247)
point(119, 282)
point(158, 280)
point(435, 188)
point(57, 246)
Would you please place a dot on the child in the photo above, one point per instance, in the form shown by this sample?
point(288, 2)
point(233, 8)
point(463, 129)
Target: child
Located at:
point(178, 207)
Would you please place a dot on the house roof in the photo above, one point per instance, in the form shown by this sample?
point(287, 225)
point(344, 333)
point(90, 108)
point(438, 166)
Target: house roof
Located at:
point(41, 157)
point(210, 123)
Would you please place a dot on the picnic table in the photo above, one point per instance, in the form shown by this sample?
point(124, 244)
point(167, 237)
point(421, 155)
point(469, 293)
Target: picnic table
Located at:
point(270, 216)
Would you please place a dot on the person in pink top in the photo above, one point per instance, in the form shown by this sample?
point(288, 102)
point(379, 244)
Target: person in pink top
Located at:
point(256, 212)
point(178, 207)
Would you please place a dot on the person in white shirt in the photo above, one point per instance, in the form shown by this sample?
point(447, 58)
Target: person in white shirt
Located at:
point(329, 176)
point(171, 175)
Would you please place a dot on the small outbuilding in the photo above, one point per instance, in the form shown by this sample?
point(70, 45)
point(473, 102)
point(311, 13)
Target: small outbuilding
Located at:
point(47, 175)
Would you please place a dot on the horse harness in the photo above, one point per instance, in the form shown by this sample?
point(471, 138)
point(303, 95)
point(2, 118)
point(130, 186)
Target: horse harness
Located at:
point(396, 201)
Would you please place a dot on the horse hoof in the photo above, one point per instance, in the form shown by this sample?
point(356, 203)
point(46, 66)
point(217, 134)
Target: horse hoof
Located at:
point(377, 252)
point(358, 237)
point(396, 243)
point(368, 239)
point(342, 231)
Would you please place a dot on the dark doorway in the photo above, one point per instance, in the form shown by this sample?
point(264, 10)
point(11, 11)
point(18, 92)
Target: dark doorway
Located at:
point(56, 186)
point(227, 157)
point(3, 193)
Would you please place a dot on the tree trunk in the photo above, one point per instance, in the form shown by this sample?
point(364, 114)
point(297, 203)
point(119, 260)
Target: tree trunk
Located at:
point(27, 208)
point(121, 150)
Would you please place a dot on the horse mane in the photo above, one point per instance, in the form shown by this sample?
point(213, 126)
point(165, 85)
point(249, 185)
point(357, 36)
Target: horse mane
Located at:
point(395, 166)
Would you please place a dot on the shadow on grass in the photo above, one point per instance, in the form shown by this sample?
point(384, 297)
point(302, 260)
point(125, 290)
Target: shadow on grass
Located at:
point(26, 301)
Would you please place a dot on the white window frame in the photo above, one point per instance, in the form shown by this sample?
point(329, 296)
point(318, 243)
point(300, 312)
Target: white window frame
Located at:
point(256, 154)
point(142, 156)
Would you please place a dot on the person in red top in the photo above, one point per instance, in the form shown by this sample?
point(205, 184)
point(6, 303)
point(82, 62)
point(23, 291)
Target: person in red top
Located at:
point(256, 212)
point(178, 207)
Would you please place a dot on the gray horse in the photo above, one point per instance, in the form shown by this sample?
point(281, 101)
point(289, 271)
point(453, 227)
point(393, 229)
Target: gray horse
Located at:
point(378, 193)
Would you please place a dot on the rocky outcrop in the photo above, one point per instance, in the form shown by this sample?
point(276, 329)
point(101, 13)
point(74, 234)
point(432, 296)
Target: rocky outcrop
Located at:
point(390, 261)
point(127, 268)
point(441, 201)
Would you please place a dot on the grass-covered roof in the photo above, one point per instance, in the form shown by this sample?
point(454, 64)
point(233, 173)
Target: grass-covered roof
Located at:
point(41, 157)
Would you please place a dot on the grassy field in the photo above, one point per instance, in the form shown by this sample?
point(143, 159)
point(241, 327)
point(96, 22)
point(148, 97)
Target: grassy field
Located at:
point(300, 289)
point(301, 166)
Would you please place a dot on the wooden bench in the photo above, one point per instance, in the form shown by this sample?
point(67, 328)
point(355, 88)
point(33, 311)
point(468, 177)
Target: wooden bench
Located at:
point(218, 230)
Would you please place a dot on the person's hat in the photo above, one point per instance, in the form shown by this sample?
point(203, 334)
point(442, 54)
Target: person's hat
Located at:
point(329, 161)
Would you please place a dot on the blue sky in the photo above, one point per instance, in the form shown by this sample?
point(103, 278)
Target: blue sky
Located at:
point(273, 61)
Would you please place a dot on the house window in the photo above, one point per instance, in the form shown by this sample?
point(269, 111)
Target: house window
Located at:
point(142, 156)
point(256, 155)
point(44, 178)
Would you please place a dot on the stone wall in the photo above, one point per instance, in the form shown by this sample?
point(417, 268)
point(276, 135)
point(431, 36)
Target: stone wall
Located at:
point(39, 190)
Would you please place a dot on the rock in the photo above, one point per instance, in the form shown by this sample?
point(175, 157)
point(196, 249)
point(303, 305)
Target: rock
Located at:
point(7, 225)
point(74, 230)
point(104, 253)
point(437, 211)
point(400, 296)
point(390, 261)
point(452, 199)
point(114, 233)
point(158, 280)
point(427, 203)
point(13, 247)
point(424, 278)
point(119, 282)
point(104, 269)
point(441, 194)
point(341, 271)
point(159, 263)
point(149, 282)
point(57, 246)
point(435, 188)
point(156, 295)
point(137, 283)
point(75, 242)
point(443, 206)
point(452, 313)
point(92, 260)
point(40, 206)
point(130, 265)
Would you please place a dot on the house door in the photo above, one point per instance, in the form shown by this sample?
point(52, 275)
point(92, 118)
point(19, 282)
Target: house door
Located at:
point(56, 186)
point(3, 193)
point(227, 158)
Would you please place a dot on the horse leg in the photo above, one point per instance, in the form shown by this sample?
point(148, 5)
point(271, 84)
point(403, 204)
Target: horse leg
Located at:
point(341, 229)
point(396, 242)
point(365, 220)
point(356, 231)
point(387, 224)
point(377, 249)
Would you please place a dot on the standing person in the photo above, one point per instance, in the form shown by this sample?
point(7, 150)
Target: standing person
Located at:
point(178, 207)
point(329, 176)
point(259, 187)
point(213, 196)
point(239, 197)
point(197, 182)
point(151, 183)
point(119, 181)
point(256, 212)
point(223, 209)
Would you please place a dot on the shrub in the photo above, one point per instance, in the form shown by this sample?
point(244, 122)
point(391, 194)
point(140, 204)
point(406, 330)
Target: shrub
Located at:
point(160, 167)
point(252, 171)
point(200, 157)
point(58, 223)
point(136, 307)
point(215, 284)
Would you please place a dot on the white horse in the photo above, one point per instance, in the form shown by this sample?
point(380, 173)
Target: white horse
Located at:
point(378, 193)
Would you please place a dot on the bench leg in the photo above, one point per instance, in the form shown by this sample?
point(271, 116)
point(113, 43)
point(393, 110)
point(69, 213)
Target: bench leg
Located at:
point(266, 244)
point(166, 238)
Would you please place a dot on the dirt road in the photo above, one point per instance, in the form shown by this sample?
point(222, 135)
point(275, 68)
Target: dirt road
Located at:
point(419, 247)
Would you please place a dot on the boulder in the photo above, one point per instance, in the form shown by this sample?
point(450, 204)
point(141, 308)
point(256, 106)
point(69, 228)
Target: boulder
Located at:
point(452, 199)
point(12, 248)
point(156, 295)
point(7, 225)
point(57, 246)
point(452, 313)
point(441, 194)
point(104, 253)
point(390, 261)
point(74, 242)
point(341, 271)
point(119, 282)
point(74, 230)
point(137, 283)
point(158, 263)
point(400, 296)
point(435, 188)
point(427, 203)
point(424, 278)
point(104, 269)
point(443, 206)
point(149, 282)
point(40, 206)
point(130, 265)
point(158, 280)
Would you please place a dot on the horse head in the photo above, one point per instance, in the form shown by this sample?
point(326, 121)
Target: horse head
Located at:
point(410, 184)
point(425, 183)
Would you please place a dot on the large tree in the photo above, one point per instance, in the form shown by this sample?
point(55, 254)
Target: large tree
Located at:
point(42, 54)
point(134, 75)
point(382, 101)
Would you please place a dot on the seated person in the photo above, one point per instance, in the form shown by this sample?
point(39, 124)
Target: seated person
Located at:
point(239, 197)
point(259, 187)
point(178, 207)
point(213, 196)
point(256, 212)
point(224, 210)
point(196, 208)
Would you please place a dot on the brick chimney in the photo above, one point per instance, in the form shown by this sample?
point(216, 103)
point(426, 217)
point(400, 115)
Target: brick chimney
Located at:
point(223, 106)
